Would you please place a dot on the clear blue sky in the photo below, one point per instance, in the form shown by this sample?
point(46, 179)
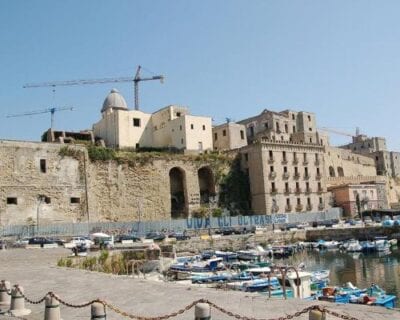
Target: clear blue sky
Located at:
point(339, 59)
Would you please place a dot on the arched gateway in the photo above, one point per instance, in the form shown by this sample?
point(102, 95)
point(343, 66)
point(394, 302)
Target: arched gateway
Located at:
point(178, 193)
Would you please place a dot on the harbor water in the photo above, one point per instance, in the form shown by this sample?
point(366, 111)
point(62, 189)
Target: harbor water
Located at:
point(358, 268)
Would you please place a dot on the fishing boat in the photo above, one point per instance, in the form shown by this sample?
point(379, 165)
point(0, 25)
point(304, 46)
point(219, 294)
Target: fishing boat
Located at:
point(185, 270)
point(352, 246)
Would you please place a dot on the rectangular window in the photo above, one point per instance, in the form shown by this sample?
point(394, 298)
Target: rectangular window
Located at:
point(200, 146)
point(246, 156)
point(224, 132)
point(137, 146)
point(287, 186)
point(296, 170)
point(273, 186)
point(297, 185)
point(47, 200)
point(12, 200)
point(271, 168)
point(251, 131)
point(308, 201)
point(285, 169)
point(288, 201)
point(204, 127)
point(317, 170)
point(192, 126)
point(180, 127)
point(298, 201)
point(306, 171)
point(43, 168)
point(75, 200)
point(242, 134)
point(294, 129)
point(320, 200)
point(215, 136)
point(307, 185)
point(178, 114)
point(271, 155)
point(136, 122)
point(182, 141)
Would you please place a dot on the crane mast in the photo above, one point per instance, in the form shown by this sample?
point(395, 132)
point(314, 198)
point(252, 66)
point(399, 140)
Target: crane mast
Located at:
point(135, 80)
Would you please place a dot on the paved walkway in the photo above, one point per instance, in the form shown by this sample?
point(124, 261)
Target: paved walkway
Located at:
point(36, 271)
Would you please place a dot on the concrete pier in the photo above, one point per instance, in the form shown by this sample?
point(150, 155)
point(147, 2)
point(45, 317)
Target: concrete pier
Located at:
point(37, 272)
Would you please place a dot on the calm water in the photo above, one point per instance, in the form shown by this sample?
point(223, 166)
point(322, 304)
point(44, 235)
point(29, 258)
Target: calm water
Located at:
point(358, 268)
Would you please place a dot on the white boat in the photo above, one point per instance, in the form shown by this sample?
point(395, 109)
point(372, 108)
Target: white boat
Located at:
point(352, 246)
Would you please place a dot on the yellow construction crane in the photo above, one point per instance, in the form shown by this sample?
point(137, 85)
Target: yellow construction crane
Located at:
point(135, 80)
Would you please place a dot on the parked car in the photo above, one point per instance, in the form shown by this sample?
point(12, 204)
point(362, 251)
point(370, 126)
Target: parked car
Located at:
point(155, 235)
point(368, 221)
point(226, 231)
point(179, 235)
point(40, 241)
point(127, 237)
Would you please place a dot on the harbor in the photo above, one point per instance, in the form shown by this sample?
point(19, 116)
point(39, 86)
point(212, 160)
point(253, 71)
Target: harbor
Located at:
point(138, 296)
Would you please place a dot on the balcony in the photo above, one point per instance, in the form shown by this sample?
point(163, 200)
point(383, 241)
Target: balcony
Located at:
point(271, 160)
point(297, 190)
point(305, 162)
point(288, 208)
point(272, 175)
point(295, 161)
point(306, 176)
point(309, 207)
point(299, 207)
point(308, 190)
point(318, 176)
point(296, 175)
point(320, 190)
point(285, 175)
point(274, 191)
point(286, 191)
point(321, 206)
point(284, 161)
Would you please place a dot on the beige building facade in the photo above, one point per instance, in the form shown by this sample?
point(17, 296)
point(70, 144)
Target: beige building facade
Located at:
point(285, 177)
point(229, 136)
point(170, 127)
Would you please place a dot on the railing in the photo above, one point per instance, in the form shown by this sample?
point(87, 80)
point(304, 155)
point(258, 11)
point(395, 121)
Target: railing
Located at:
point(320, 190)
point(287, 191)
point(296, 175)
point(306, 176)
point(284, 161)
point(318, 176)
point(297, 190)
point(272, 175)
point(308, 190)
point(295, 161)
point(305, 161)
point(285, 175)
point(288, 208)
point(309, 207)
point(274, 191)
point(321, 206)
point(271, 160)
point(299, 207)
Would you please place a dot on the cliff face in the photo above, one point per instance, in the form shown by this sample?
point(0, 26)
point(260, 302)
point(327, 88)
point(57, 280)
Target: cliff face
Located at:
point(58, 183)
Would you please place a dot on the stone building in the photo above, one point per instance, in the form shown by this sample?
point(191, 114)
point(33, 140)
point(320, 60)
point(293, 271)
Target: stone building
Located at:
point(52, 182)
point(387, 162)
point(229, 136)
point(170, 127)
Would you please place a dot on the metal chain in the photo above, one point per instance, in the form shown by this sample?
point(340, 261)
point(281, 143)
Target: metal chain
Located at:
point(27, 299)
point(181, 311)
point(3, 287)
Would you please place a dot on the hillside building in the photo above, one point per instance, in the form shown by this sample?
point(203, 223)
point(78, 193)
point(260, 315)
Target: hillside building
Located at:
point(170, 127)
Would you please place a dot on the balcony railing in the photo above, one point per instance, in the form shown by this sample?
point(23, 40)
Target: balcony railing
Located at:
point(308, 190)
point(305, 161)
point(288, 208)
point(271, 160)
point(309, 207)
point(321, 206)
point(297, 190)
point(320, 190)
point(306, 176)
point(284, 161)
point(272, 175)
point(274, 191)
point(318, 176)
point(296, 175)
point(299, 207)
point(286, 191)
point(295, 161)
point(285, 175)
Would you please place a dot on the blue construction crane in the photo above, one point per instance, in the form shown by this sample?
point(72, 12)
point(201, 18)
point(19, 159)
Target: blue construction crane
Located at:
point(48, 110)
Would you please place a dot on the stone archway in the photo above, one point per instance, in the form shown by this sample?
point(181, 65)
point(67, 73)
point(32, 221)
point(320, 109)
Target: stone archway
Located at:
point(177, 182)
point(206, 184)
point(331, 171)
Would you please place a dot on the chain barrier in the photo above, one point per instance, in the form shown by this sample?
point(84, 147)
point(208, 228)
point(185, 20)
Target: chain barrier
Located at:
point(179, 312)
point(4, 288)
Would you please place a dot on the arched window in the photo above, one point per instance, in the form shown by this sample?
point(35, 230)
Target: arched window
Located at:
point(206, 184)
point(178, 193)
point(331, 171)
point(340, 172)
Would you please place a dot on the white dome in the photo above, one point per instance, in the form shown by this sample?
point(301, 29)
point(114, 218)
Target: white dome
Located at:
point(114, 100)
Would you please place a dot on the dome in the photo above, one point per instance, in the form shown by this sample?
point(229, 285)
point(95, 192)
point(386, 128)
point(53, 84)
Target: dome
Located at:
point(114, 100)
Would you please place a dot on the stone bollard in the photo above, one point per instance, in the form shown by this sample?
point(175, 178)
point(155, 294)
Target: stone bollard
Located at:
point(52, 308)
point(17, 307)
point(5, 297)
point(317, 315)
point(98, 311)
point(202, 311)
